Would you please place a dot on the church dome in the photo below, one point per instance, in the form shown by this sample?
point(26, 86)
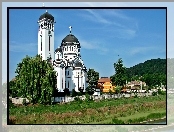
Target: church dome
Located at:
point(70, 38)
point(78, 64)
point(46, 15)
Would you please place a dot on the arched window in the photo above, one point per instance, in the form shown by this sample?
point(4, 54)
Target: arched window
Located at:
point(41, 43)
point(49, 43)
point(72, 48)
point(68, 84)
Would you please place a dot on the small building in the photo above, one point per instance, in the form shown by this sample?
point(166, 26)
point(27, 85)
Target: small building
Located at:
point(97, 92)
point(135, 85)
point(105, 84)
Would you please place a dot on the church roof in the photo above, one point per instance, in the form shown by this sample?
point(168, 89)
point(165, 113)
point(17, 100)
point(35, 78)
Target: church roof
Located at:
point(78, 63)
point(46, 15)
point(70, 38)
point(58, 49)
point(102, 80)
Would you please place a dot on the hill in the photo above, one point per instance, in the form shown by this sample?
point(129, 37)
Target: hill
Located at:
point(153, 72)
point(153, 66)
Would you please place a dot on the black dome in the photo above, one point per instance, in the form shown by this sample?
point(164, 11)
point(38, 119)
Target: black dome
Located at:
point(70, 38)
point(46, 15)
point(78, 63)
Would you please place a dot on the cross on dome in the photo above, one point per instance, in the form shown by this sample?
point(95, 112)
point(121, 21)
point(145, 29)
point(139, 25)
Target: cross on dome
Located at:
point(70, 27)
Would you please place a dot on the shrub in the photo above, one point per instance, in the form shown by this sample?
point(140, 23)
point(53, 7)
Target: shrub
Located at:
point(117, 121)
point(161, 92)
point(88, 98)
point(154, 93)
point(74, 93)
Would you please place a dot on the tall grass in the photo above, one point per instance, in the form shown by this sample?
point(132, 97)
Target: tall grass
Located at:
point(87, 111)
point(76, 106)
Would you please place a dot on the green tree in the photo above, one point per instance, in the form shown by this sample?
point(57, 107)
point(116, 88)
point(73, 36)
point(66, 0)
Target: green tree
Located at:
point(93, 77)
point(35, 80)
point(119, 78)
point(118, 89)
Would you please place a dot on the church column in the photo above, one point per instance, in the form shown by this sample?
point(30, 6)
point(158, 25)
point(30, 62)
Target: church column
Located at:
point(63, 76)
point(59, 78)
point(84, 81)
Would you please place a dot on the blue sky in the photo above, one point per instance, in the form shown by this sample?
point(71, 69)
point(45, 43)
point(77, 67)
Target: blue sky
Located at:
point(136, 35)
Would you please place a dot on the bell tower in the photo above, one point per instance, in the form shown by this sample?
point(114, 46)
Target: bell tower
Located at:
point(46, 36)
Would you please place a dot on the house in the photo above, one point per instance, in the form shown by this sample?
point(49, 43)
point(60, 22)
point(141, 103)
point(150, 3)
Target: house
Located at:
point(105, 84)
point(134, 85)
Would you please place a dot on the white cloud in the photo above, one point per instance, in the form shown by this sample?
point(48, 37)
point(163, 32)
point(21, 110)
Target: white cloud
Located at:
point(139, 50)
point(99, 18)
point(25, 47)
point(93, 45)
point(118, 29)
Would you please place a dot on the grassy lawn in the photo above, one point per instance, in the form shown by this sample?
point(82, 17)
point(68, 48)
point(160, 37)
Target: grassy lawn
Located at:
point(88, 112)
point(134, 116)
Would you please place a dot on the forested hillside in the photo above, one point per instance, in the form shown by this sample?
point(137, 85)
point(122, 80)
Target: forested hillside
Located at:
point(153, 72)
point(153, 66)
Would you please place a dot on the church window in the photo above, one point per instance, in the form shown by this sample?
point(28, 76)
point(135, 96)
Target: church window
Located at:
point(49, 32)
point(68, 84)
point(68, 72)
point(62, 82)
point(65, 84)
point(49, 43)
point(72, 48)
point(41, 43)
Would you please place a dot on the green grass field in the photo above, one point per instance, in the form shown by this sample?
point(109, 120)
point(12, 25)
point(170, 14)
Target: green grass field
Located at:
point(90, 112)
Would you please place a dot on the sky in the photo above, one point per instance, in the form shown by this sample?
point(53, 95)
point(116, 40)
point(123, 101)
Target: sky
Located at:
point(135, 35)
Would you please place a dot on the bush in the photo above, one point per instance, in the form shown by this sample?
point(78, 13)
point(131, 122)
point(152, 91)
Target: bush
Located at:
point(154, 93)
point(117, 121)
point(74, 93)
point(161, 92)
point(88, 98)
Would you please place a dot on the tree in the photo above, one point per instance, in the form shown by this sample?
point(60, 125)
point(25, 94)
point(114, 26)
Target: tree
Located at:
point(93, 77)
point(119, 78)
point(35, 80)
point(118, 89)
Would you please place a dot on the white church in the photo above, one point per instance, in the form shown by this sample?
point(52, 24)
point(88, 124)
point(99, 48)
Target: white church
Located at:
point(66, 59)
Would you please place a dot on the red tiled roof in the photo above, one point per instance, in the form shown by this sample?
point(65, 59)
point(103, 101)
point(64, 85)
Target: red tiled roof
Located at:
point(104, 80)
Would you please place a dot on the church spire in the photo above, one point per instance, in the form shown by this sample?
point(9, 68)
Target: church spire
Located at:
point(70, 27)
